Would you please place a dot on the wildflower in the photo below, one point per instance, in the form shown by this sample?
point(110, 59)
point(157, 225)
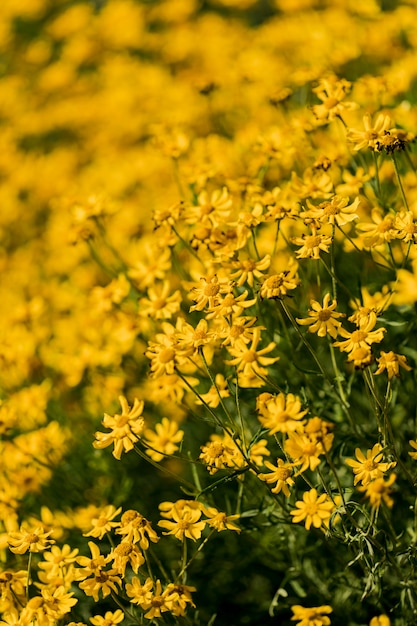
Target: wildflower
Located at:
point(150, 597)
point(317, 429)
point(380, 620)
point(162, 441)
point(304, 450)
point(126, 553)
point(125, 428)
point(217, 454)
point(322, 319)
point(332, 93)
point(216, 392)
point(241, 328)
point(279, 474)
point(220, 521)
point(361, 338)
point(413, 444)
point(379, 491)
point(137, 529)
point(104, 582)
point(336, 211)
point(369, 467)
point(159, 304)
point(23, 541)
point(190, 338)
point(110, 618)
point(314, 616)
point(251, 360)
point(247, 270)
point(391, 362)
point(373, 133)
point(315, 184)
point(211, 210)
point(57, 602)
point(312, 245)
point(180, 597)
point(94, 564)
point(277, 285)
point(208, 293)
point(405, 226)
point(380, 230)
point(58, 558)
point(314, 509)
point(103, 524)
point(186, 523)
point(230, 305)
point(281, 413)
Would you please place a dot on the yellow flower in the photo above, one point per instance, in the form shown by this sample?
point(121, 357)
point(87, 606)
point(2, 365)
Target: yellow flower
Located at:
point(314, 509)
point(185, 523)
point(305, 450)
point(110, 618)
point(314, 616)
point(159, 303)
point(373, 133)
point(332, 93)
point(125, 428)
point(279, 474)
point(391, 362)
point(312, 245)
point(137, 529)
point(336, 211)
point(217, 454)
point(247, 270)
point(162, 441)
point(405, 226)
point(379, 491)
point(56, 559)
point(211, 210)
point(251, 360)
point(126, 553)
point(150, 596)
point(380, 620)
point(281, 413)
point(26, 540)
point(220, 521)
point(215, 393)
point(103, 524)
point(180, 597)
point(380, 230)
point(208, 293)
point(413, 444)
point(322, 319)
point(369, 467)
point(277, 285)
point(363, 337)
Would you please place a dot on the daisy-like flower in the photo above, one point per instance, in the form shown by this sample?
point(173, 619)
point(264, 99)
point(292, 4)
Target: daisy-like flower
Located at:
point(185, 523)
point(405, 226)
point(216, 392)
point(304, 450)
point(110, 618)
point(323, 319)
point(312, 616)
point(180, 597)
point(159, 303)
point(56, 559)
point(150, 597)
point(220, 521)
point(332, 93)
point(217, 454)
point(251, 360)
point(190, 338)
point(374, 132)
point(208, 293)
point(210, 210)
point(361, 338)
point(336, 211)
point(361, 357)
point(380, 230)
point(57, 602)
point(391, 363)
point(127, 553)
point(230, 305)
point(163, 440)
point(104, 524)
point(124, 429)
point(247, 270)
point(281, 413)
point(369, 467)
point(278, 285)
point(312, 245)
point(279, 474)
point(314, 509)
point(25, 540)
point(240, 329)
point(136, 529)
point(413, 444)
point(379, 491)
point(380, 620)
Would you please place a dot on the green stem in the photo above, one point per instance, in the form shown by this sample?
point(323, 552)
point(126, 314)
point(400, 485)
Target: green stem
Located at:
point(400, 185)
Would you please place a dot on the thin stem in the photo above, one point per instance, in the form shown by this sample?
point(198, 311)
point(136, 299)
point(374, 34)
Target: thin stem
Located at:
point(400, 185)
point(332, 265)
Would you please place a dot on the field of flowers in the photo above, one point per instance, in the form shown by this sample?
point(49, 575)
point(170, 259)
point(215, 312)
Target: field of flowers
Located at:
point(208, 298)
